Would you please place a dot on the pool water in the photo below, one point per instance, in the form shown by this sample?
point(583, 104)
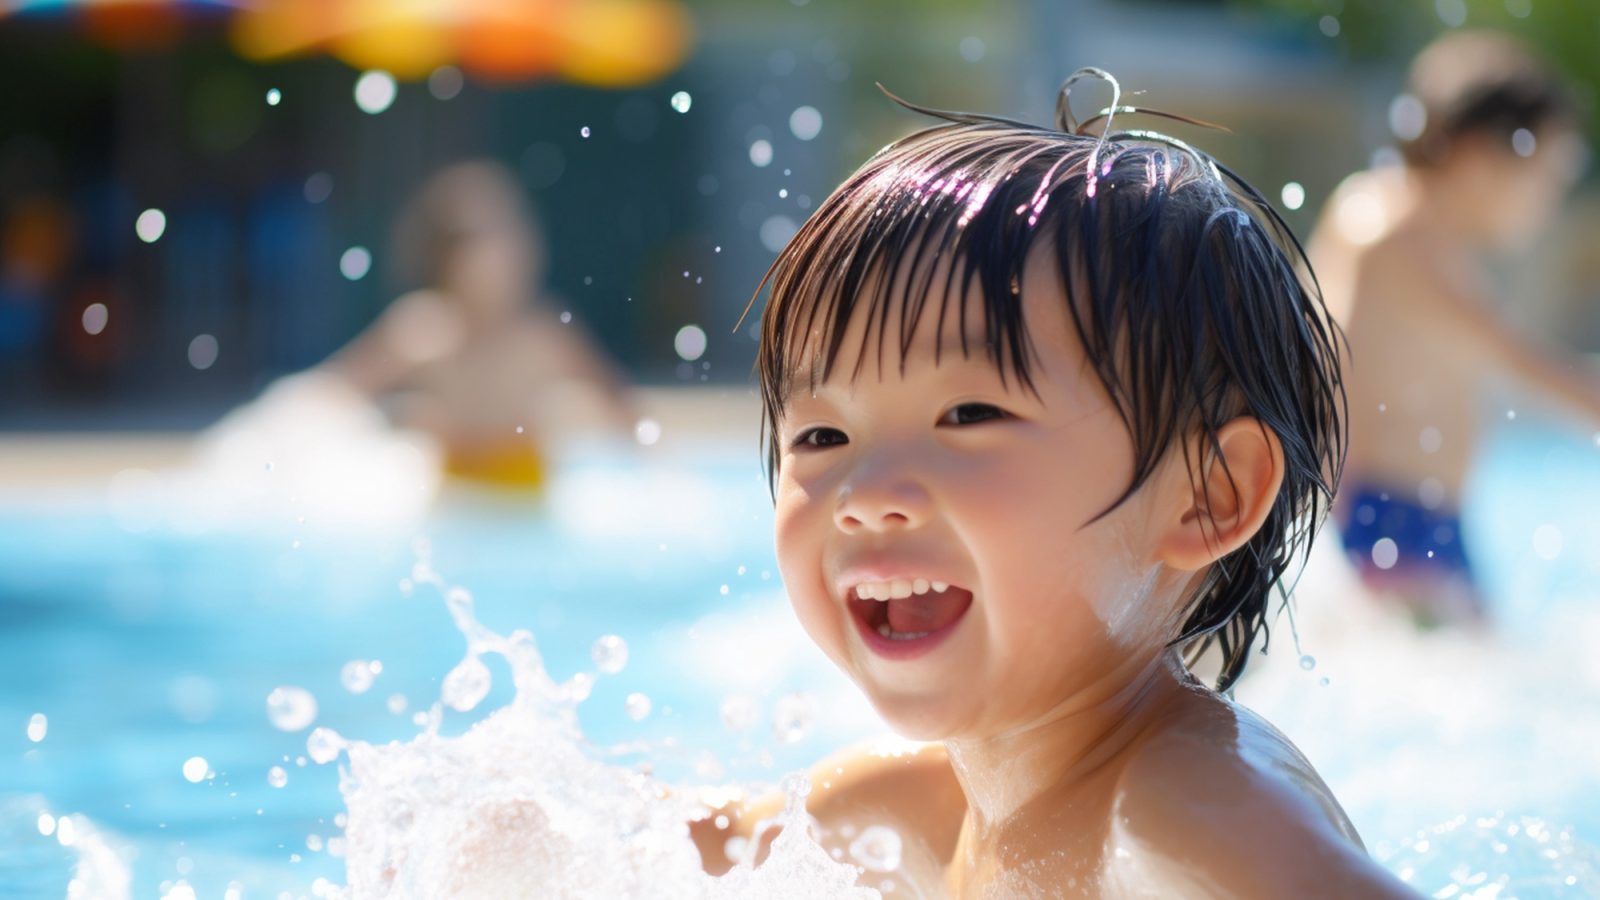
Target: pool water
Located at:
point(146, 641)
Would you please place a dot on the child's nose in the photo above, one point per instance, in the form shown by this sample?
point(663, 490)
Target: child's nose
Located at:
point(880, 504)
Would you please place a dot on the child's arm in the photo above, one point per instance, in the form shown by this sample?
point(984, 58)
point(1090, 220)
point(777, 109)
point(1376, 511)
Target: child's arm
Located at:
point(909, 788)
point(1465, 316)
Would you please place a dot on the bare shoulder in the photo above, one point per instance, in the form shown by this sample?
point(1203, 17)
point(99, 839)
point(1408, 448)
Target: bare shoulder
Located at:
point(1218, 801)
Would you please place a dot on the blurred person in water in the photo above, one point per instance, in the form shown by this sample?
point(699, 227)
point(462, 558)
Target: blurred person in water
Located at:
point(1050, 413)
point(478, 358)
point(1490, 145)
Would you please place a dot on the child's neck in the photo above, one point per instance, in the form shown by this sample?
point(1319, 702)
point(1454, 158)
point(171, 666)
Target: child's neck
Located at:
point(1063, 750)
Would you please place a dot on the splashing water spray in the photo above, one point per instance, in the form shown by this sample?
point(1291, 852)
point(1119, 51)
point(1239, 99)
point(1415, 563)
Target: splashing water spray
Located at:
point(515, 807)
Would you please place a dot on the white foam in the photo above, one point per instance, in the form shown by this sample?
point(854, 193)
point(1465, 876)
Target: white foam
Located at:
point(516, 807)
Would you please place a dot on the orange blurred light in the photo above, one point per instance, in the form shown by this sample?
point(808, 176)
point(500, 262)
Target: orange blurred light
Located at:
point(131, 24)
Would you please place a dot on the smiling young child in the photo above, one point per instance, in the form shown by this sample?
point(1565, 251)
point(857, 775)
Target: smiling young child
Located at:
point(1050, 414)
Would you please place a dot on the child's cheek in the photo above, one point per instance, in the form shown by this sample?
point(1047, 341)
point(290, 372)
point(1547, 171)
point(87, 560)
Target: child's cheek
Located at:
point(799, 551)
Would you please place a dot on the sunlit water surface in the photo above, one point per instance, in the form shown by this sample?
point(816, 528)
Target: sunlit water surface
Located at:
point(142, 641)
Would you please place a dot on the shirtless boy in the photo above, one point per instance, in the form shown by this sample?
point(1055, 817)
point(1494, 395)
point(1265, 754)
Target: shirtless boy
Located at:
point(1491, 144)
point(1049, 417)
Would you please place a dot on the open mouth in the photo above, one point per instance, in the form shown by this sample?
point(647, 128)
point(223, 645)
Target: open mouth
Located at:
point(906, 618)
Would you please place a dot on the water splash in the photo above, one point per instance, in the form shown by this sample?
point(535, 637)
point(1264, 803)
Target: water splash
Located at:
point(519, 806)
point(1496, 856)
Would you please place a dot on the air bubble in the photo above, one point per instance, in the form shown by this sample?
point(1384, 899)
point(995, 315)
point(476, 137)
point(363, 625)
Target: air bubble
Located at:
point(637, 706)
point(323, 745)
point(277, 777)
point(610, 654)
point(681, 101)
point(877, 849)
point(357, 675)
point(1308, 662)
point(291, 708)
point(195, 769)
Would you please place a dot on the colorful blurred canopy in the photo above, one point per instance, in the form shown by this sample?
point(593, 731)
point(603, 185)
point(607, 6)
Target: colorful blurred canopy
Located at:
point(597, 42)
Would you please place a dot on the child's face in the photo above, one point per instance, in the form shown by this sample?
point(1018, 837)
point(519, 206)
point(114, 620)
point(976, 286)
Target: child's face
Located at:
point(947, 476)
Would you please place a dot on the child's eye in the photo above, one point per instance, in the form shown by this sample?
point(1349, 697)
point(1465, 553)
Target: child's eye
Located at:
point(972, 413)
point(820, 437)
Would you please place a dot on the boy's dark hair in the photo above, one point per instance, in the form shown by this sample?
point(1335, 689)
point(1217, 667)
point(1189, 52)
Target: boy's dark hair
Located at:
point(1471, 83)
point(1193, 302)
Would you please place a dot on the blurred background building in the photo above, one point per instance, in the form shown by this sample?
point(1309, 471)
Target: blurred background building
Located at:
point(196, 197)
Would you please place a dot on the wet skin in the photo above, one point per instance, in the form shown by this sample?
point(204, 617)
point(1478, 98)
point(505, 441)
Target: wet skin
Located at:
point(1077, 755)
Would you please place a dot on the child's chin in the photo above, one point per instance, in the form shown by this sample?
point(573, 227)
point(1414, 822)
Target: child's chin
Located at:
point(916, 721)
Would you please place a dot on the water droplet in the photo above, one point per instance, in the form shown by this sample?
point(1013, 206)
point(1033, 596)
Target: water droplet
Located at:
point(1329, 26)
point(357, 675)
point(647, 432)
point(792, 717)
point(1323, 681)
point(151, 224)
point(1308, 662)
point(1523, 143)
point(375, 91)
point(291, 708)
point(1547, 542)
point(323, 745)
point(274, 96)
point(195, 769)
point(566, 317)
point(690, 342)
point(1385, 553)
point(805, 123)
point(761, 154)
point(38, 726)
point(277, 777)
point(681, 101)
point(1294, 195)
point(739, 713)
point(637, 706)
point(877, 848)
point(467, 684)
point(584, 131)
point(445, 82)
point(610, 654)
point(354, 263)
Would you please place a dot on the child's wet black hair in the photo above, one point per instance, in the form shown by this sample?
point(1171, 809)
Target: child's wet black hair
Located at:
point(1482, 84)
point(1193, 302)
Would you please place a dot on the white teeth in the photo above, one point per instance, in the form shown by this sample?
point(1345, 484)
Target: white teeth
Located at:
point(893, 635)
point(898, 589)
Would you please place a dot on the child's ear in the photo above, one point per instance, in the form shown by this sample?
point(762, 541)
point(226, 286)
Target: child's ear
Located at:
point(1231, 487)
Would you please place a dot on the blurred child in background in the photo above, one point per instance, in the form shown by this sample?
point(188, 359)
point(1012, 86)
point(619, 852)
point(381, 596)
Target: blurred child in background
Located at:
point(478, 358)
point(1491, 145)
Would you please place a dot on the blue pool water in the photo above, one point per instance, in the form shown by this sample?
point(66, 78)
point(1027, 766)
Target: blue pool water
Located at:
point(147, 642)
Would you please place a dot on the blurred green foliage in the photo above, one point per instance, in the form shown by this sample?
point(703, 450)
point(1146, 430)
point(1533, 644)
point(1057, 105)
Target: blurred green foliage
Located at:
point(1567, 32)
